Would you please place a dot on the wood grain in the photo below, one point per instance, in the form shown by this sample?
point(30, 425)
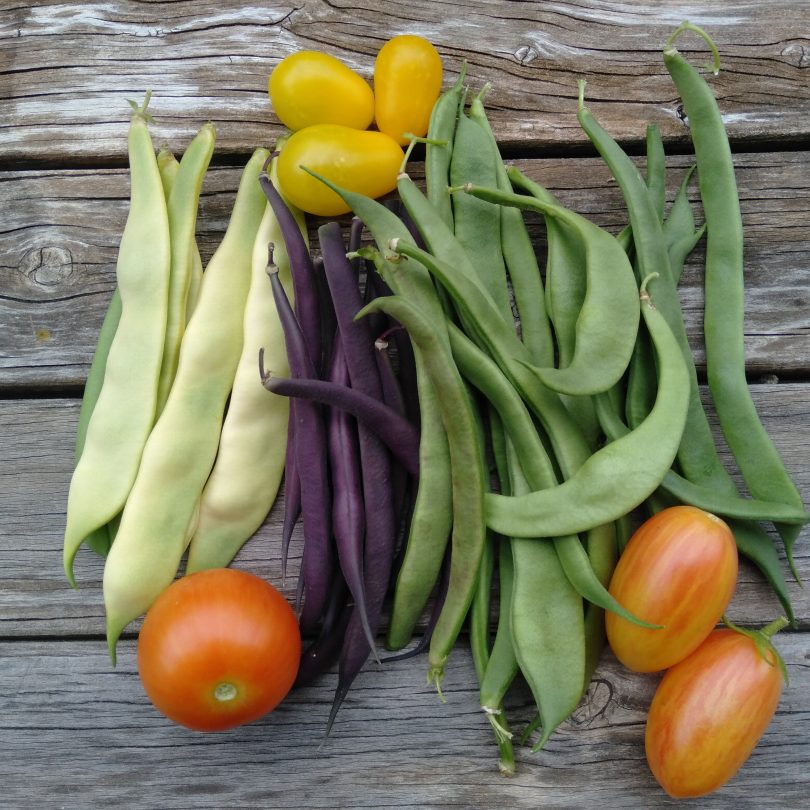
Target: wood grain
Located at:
point(36, 462)
point(69, 67)
point(59, 241)
point(77, 733)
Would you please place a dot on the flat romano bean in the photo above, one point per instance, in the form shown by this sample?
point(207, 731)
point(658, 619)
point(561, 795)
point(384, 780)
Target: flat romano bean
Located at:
point(724, 306)
point(468, 476)
point(711, 501)
point(125, 410)
point(182, 209)
point(608, 321)
point(439, 147)
point(254, 432)
point(547, 627)
point(520, 259)
point(180, 451)
point(619, 476)
point(476, 224)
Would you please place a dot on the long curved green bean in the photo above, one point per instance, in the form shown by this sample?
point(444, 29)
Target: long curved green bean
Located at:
point(468, 476)
point(619, 476)
point(608, 321)
point(180, 451)
point(182, 207)
point(520, 258)
point(687, 492)
point(757, 457)
point(125, 409)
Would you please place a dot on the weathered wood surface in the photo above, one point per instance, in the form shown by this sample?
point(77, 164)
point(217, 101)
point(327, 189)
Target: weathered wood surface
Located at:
point(76, 733)
point(210, 60)
point(60, 233)
point(34, 478)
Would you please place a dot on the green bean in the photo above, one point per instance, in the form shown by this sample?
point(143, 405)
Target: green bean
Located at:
point(98, 540)
point(535, 464)
point(476, 224)
point(608, 321)
point(125, 410)
point(547, 627)
point(679, 229)
point(618, 477)
point(520, 259)
point(564, 296)
point(656, 170)
point(169, 166)
point(468, 476)
point(182, 208)
point(254, 432)
point(181, 448)
point(702, 497)
point(724, 305)
point(439, 147)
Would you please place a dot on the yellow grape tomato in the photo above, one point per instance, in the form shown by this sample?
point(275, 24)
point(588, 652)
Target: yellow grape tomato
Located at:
point(363, 161)
point(309, 87)
point(407, 82)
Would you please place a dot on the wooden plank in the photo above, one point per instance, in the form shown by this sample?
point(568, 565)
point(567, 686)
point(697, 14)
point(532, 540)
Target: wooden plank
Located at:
point(69, 67)
point(36, 452)
point(61, 230)
point(77, 733)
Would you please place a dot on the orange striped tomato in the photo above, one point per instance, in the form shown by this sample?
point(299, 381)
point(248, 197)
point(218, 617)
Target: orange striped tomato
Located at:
point(679, 570)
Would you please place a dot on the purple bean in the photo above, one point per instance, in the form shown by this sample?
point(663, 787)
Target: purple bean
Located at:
point(292, 493)
point(399, 435)
point(312, 467)
point(307, 307)
point(348, 517)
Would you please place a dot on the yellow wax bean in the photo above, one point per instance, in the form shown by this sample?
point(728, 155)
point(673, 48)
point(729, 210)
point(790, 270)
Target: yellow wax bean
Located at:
point(125, 410)
point(254, 436)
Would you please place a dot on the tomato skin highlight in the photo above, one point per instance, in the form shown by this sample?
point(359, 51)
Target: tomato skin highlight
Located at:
point(679, 570)
point(407, 82)
point(217, 649)
point(310, 87)
point(709, 712)
point(365, 162)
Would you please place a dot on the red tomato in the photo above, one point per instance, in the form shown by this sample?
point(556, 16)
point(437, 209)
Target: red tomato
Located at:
point(709, 712)
point(218, 648)
point(679, 570)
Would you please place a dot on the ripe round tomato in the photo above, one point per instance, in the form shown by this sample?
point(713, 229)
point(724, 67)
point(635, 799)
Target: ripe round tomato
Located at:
point(218, 648)
point(407, 82)
point(366, 162)
point(309, 87)
point(709, 712)
point(679, 570)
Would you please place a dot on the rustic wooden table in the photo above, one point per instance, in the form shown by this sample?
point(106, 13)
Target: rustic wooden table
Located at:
point(76, 732)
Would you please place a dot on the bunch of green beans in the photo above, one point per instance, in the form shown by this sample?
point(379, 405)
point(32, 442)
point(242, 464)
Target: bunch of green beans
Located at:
point(570, 429)
point(178, 344)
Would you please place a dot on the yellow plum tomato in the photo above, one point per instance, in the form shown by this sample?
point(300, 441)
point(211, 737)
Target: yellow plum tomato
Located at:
point(310, 87)
point(218, 648)
point(407, 82)
point(678, 570)
point(366, 162)
point(711, 709)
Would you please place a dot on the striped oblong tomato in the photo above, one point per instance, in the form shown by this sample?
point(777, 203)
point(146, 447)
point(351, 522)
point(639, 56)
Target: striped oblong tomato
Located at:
point(711, 709)
point(679, 570)
point(218, 648)
point(407, 82)
point(310, 87)
point(364, 162)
